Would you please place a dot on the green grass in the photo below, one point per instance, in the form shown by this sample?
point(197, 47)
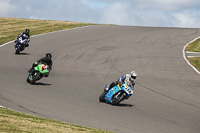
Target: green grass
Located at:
point(13, 121)
point(195, 61)
point(10, 28)
point(194, 47)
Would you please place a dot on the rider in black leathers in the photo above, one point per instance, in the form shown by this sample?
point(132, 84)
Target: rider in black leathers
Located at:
point(47, 60)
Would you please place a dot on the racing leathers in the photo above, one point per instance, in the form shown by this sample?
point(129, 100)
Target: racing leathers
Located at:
point(126, 78)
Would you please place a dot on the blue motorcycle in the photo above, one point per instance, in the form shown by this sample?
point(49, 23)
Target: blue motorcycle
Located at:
point(116, 94)
point(21, 43)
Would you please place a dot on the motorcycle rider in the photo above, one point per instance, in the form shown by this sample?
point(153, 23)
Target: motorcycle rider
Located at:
point(47, 60)
point(25, 35)
point(129, 78)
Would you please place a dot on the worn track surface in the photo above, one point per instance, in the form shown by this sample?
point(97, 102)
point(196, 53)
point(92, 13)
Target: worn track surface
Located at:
point(167, 90)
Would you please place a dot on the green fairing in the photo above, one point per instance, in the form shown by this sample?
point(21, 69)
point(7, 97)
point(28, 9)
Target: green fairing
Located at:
point(40, 69)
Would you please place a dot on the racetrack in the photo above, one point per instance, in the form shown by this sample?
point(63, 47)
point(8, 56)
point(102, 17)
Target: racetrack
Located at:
point(167, 90)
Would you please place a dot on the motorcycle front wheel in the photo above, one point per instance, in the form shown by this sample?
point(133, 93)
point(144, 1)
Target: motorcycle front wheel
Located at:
point(27, 80)
point(17, 51)
point(35, 77)
point(101, 97)
point(120, 96)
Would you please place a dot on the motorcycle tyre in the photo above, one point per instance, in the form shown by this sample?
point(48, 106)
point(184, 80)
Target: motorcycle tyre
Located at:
point(35, 78)
point(117, 101)
point(27, 80)
point(17, 51)
point(101, 97)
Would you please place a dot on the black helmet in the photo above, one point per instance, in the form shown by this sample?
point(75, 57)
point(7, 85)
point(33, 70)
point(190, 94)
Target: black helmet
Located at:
point(49, 56)
point(27, 31)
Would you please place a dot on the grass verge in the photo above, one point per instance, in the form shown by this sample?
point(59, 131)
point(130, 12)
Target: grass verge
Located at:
point(13, 121)
point(194, 47)
point(195, 61)
point(10, 28)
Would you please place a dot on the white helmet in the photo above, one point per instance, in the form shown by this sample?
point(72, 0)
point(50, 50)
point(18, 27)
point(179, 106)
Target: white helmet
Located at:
point(133, 75)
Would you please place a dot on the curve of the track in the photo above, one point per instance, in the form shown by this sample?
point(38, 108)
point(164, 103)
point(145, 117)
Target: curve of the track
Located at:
point(167, 92)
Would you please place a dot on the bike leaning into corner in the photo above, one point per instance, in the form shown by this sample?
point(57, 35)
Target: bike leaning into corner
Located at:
point(20, 45)
point(38, 72)
point(116, 94)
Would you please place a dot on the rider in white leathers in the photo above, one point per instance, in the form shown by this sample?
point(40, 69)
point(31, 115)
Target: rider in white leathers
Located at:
point(129, 78)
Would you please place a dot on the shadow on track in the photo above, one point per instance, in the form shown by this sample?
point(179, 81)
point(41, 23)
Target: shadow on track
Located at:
point(22, 54)
point(39, 83)
point(123, 105)
point(120, 104)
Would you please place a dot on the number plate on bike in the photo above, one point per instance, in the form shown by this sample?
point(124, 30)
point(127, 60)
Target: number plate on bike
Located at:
point(128, 90)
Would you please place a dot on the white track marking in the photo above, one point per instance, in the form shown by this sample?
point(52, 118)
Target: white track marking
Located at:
point(184, 54)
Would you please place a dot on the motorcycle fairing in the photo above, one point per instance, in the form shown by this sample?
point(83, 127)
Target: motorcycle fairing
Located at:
point(42, 68)
point(125, 88)
point(111, 92)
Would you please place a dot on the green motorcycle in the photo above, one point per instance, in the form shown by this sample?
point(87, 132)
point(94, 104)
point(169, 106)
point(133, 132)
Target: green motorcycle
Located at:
point(37, 73)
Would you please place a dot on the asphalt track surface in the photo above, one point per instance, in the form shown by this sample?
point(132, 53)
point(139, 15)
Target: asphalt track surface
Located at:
point(167, 91)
